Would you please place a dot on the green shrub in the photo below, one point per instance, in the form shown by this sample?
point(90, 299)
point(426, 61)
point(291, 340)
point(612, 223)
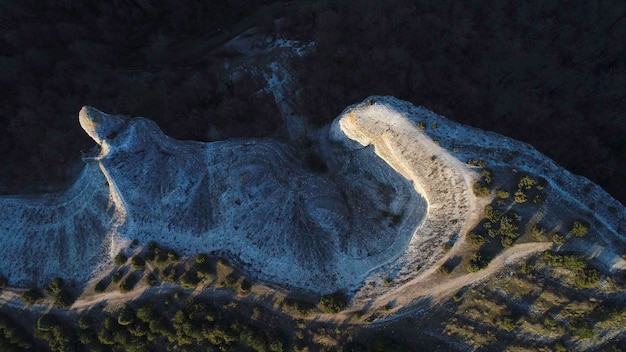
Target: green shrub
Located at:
point(477, 262)
point(46, 322)
point(537, 232)
point(480, 189)
point(126, 316)
point(201, 258)
point(476, 238)
point(153, 246)
point(335, 302)
point(3, 282)
point(120, 259)
point(244, 287)
point(487, 177)
point(230, 280)
point(581, 329)
point(502, 194)
point(300, 307)
point(574, 261)
point(446, 268)
point(119, 274)
point(558, 239)
point(189, 280)
point(526, 182)
point(475, 162)
point(549, 322)
point(138, 262)
point(172, 256)
point(579, 229)
point(587, 278)
point(520, 197)
point(64, 299)
point(146, 314)
point(31, 296)
point(151, 279)
point(128, 283)
point(54, 287)
point(85, 322)
point(101, 285)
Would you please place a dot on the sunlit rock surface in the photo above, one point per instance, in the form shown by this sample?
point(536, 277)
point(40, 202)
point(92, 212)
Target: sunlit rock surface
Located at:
point(253, 200)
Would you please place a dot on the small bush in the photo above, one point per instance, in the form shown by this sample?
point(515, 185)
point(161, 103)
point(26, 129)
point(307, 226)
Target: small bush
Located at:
point(244, 287)
point(537, 232)
point(520, 197)
point(31, 296)
point(46, 322)
point(335, 302)
point(54, 287)
point(446, 268)
point(189, 280)
point(480, 189)
point(476, 238)
point(539, 199)
point(549, 322)
point(119, 274)
point(151, 279)
point(558, 239)
point(526, 182)
point(477, 263)
point(502, 194)
point(3, 282)
point(201, 258)
point(85, 322)
point(172, 256)
point(230, 280)
point(300, 307)
point(129, 283)
point(64, 299)
point(120, 259)
point(153, 246)
point(587, 278)
point(126, 316)
point(581, 329)
point(487, 176)
point(138, 262)
point(579, 229)
point(574, 261)
point(101, 286)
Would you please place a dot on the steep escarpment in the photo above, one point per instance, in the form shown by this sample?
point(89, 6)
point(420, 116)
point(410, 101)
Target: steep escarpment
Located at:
point(443, 180)
point(252, 200)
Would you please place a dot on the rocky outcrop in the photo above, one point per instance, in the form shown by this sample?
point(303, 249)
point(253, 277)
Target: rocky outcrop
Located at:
point(393, 194)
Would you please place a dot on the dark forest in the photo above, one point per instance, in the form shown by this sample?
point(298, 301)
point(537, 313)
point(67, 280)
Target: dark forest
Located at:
point(550, 73)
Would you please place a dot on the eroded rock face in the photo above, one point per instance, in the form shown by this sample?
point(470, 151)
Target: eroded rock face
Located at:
point(252, 199)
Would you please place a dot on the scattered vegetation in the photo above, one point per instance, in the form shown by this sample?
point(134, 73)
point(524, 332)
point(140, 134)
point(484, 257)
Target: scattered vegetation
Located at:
point(579, 229)
point(120, 259)
point(138, 262)
point(31, 296)
point(477, 262)
point(335, 302)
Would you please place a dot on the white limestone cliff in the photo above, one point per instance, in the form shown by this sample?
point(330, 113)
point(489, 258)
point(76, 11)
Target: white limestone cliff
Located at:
point(392, 196)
